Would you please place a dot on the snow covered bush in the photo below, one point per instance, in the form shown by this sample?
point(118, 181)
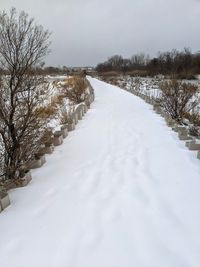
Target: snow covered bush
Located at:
point(178, 98)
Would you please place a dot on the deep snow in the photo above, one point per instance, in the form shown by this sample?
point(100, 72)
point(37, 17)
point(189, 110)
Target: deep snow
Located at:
point(122, 191)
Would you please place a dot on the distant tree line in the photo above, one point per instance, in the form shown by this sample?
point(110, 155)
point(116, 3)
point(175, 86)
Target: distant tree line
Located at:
point(41, 70)
point(176, 64)
point(49, 70)
point(118, 63)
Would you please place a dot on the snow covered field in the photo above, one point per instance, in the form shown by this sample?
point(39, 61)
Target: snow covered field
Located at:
point(122, 191)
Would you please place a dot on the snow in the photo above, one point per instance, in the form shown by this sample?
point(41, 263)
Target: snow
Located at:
point(57, 77)
point(122, 190)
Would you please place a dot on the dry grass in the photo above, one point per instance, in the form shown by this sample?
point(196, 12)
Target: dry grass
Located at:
point(135, 73)
point(75, 89)
point(194, 118)
point(46, 112)
point(110, 73)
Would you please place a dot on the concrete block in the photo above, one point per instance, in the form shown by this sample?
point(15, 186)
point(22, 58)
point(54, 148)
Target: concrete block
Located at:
point(2, 188)
point(183, 137)
point(34, 164)
point(49, 142)
point(151, 102)
point(37, 162)
point(47, 138)
point(26, 179)
point(91, 98)
point(9, 184)
point(182, 131)
point(82, 111)
point(79, 113)
point(75, 117)
point(87, 102)
point(170, 122)
point(19, 182)
point(162, 113)
point(188, 143)
point(43, 159)
point(192, 145)
point(58, 138)
point(64, 130)
point(156, 107)
point(71, 126)
point(85, 108)
point(178, 128)
point(158, 110)
point(40, 155)
point(4, 200)
point(48, 149)
point(147, 99)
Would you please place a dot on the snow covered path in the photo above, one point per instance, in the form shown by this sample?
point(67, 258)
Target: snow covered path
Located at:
point(122, 191)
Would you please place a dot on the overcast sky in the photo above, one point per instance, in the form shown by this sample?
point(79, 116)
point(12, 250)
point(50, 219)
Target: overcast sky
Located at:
point(86, 32)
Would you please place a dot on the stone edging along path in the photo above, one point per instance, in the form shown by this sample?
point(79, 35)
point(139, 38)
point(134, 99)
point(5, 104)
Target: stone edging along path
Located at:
point(182, 131)
point(52, 140)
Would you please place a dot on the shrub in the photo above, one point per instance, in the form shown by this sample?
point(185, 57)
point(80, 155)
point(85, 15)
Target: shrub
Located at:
point(177, 98)
point(194, 131)
point(193, 117)
point(75, 89)
point(45, 112)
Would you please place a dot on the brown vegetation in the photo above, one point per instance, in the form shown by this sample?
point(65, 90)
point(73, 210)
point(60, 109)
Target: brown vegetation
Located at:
point(75, 89)
point(45, 112)
point(177, 98)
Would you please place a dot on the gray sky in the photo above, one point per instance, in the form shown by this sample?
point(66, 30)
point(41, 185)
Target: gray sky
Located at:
point(86, 32)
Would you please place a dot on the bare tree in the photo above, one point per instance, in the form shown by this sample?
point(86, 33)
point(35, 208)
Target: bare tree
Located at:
point(23, 45)
point(178, 98)
point(139, 60)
